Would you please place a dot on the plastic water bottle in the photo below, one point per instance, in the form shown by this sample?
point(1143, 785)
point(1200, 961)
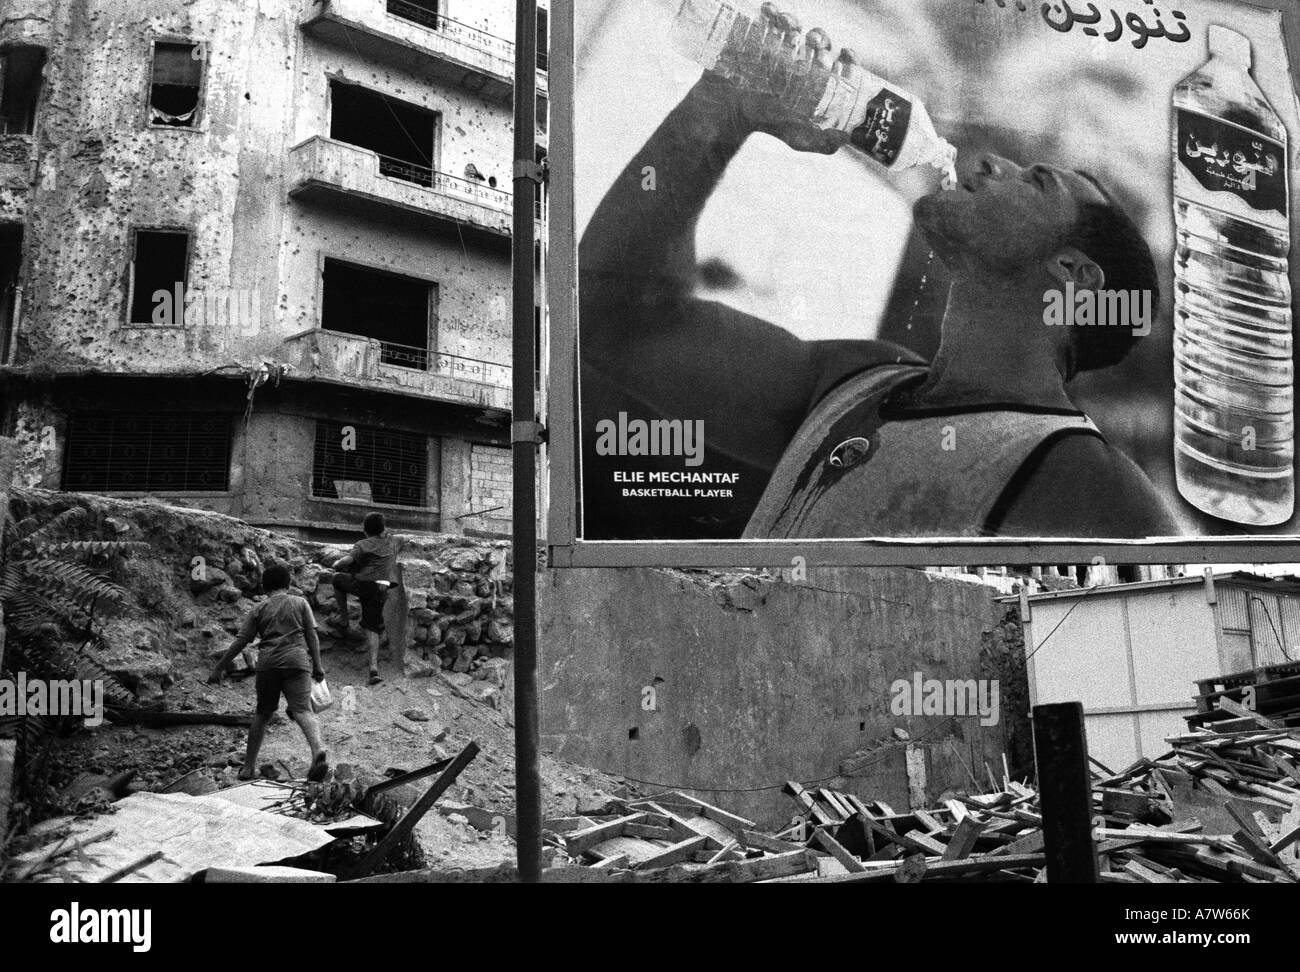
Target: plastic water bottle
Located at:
point(762, 50)
point(1234, 438)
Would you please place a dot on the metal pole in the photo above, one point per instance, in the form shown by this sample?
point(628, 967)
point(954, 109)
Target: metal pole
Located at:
point(1065, 793)
point(525, 436)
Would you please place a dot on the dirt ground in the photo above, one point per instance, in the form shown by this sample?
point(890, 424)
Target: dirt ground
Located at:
point(382, 730)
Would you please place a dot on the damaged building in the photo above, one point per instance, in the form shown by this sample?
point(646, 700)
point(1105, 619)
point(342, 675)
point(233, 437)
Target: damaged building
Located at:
point(257, 259)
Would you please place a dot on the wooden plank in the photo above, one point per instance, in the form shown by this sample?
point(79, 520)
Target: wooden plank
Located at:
point(1241, 712)
point(983, 864)
point(613, 863)
point(1030, 843)
point(928, 842)
point(422, 806)
point(582, 841)
point(717, 815)
point(727, 852)
point(1286, 840)
point(837, 851)
point(891, 836)
point(931, 825)
point(1147, 875)
point(963, 841)
point(682, 851)
point(805, 800)
point(730, 872)
point(1151, 835)
point(832, 800)
point(648, 832)
point(753, 838)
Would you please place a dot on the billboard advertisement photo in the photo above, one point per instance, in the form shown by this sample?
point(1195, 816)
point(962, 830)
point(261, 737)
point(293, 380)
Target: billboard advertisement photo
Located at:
point(929, 271)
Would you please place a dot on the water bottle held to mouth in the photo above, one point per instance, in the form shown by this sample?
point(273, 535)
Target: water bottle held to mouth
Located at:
point(765, 52)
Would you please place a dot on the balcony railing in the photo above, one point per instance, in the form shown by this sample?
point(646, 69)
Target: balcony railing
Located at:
point(446, 365)
point(357, 359)
point(422, 175)
point(326, 169)
point(479, 40)
point(423, 41)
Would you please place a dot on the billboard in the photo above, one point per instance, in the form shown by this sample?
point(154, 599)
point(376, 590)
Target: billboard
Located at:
point(923, 281)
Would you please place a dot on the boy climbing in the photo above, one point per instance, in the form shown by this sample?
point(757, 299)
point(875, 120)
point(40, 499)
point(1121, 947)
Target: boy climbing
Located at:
point(367, 572)
point(288, 659)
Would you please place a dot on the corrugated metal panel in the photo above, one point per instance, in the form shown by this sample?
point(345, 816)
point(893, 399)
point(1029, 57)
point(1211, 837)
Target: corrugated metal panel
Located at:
point(1266, 628)
point(1233, 613)
point(1291, 623)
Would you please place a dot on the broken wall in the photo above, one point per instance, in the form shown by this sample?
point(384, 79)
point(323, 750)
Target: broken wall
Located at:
point(728, 686)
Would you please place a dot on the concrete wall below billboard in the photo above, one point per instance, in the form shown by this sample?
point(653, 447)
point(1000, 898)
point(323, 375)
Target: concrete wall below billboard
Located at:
point(742, 682)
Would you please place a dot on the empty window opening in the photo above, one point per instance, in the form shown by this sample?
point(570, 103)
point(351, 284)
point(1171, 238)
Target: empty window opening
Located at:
point(371, 465)
point(634, 733)
point(159, 260)
point(175, 84)
point(387, 307)
point(543, 39)
point(148, 453)
point(422, 12)
point(401, 134)
point(20, 89)
point(537, 347)
point(11, 260)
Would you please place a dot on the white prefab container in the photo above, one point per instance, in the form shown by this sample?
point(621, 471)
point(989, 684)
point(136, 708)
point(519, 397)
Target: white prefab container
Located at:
point(1131, 653)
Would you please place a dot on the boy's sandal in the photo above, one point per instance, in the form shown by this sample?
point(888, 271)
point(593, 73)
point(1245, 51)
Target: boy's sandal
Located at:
point(319, 768)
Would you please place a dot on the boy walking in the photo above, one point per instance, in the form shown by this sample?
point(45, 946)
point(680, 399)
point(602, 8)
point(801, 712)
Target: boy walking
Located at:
point(367, 572)
point(288, 659)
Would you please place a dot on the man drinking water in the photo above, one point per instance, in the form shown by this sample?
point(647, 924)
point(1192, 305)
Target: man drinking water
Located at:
point(858, 437)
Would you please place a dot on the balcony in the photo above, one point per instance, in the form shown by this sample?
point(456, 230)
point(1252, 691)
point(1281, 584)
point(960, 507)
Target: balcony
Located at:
point(425, 43)
point(326, 168)
point(352, 359)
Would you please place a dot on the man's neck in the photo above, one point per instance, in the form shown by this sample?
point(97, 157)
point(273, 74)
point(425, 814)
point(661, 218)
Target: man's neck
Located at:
point(994, 349)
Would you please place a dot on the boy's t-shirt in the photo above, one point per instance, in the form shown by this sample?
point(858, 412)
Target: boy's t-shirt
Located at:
point(278, 624)
point(373, 558)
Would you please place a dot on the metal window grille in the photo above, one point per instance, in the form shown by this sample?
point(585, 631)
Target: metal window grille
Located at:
point(393, 466)
point(423, 13)
point(147, 453)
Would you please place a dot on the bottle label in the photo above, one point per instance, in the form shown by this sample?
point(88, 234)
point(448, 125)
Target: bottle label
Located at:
point(1226, 158)
point(884, 130)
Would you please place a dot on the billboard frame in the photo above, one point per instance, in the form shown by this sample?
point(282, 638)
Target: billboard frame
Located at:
point(565, 545)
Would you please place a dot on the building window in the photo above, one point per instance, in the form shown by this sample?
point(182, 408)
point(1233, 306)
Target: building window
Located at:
point(401, 134)
point(387, 307)
point(159, 260)
point(537, 348)
point(147, 453)
point(370, 465)
point(543, 39)
point(422, 12)
point(175, 84)
point(20, 89)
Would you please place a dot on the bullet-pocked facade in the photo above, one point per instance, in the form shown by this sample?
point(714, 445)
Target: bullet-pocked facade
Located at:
point(256, 257)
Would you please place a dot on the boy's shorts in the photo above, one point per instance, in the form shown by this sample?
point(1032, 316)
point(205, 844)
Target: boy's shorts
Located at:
point(371, 596)
point(293, 683)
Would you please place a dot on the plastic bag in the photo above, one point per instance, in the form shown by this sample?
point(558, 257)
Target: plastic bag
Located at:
point(320, 696)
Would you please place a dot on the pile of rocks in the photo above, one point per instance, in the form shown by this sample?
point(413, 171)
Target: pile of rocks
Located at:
point(461, 606)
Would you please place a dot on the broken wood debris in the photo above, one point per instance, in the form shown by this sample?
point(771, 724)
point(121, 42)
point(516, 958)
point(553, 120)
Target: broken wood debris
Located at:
point(1219, 806)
